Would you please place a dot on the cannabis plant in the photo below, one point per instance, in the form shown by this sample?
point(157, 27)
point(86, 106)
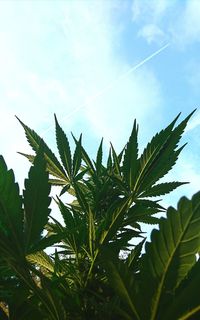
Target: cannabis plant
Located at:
point(95, 269)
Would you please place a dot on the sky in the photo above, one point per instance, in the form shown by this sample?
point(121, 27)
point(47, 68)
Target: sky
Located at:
point(89, 62)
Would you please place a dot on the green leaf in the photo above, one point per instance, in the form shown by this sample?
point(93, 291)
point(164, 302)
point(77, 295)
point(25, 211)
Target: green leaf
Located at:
point(11, 215)
point(63, 148)
point(85, 158)
point(133, 257)
point(113, 220)
point(51, 296)
point(36, 201)
point(77, 157)
point(50, 169)
point(123, 283)
point(109, 160)
point(81, 197)
point(99, 158)
point(80, 175)
point(142, 211)
point(170, 255)
point(116, 161)
point(42, 260)
point(53, 165)
point(161, 189)
point(67, 215)
point(57, 182)
point(64, 189)
point(130, 163)
point(30, 157)
point(91, 231)
point(159, 156)
point(47, 242)
point(186, 300)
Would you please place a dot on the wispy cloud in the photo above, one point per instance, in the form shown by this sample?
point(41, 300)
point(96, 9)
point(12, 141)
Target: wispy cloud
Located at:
point(148, 15)
point(185, 29)
point(152, 33)
point(58, 61)
point(70, 58)
point(176, 21)
point(108, 87)
point(154, 9)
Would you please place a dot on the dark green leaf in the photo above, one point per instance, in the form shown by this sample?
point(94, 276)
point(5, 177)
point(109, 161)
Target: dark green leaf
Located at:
point(81, 197)
point(77, 157)
point(159, 156)
point(64, 189)
point(35, 140)
point(130, 163)
point(116, 161)
point(85, 157)
point(11, 215)
point(36, 200)
point(161, 189)
point(63, 148)
point(186, 300)
point(99, 158)
point(123, 283)
point(171, 254)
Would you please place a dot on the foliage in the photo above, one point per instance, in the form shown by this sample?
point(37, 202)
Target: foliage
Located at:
point(96, 270)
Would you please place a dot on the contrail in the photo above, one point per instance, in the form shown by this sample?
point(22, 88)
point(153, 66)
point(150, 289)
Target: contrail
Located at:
point(110, 85)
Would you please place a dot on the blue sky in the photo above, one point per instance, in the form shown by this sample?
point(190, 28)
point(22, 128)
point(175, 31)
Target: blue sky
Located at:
point(73, 58)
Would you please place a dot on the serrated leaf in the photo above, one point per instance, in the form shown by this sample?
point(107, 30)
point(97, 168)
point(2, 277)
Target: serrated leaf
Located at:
point(116, 161)
point(56, 310)
point(113, 221)
point(159, 156)
point(85, 158)
point(77, 158)
point(47, 242)
point(41, 259)
point(80, 175)
point(36, 201)
point(122, 281)
point(81, 197)
point(186, 300)
point(130, 163)
point(35, 140)
point(133, 257)
point(120, 155)
point(99, 157)
point(109, 160)
point(30, 157)
point(91, 232)
point(149, 220)
point(64, 189)
point(162, 188)
point(143, 211)
point(11, 215)
point(170, 255)
point(50, 169)
point(67, 215)
point(64, 148)
point(57, 182)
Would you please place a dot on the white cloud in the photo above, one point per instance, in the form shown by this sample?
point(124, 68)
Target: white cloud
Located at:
point(186, 29)
point(176, 21)
point(70, 56)
point(149, 15)
point(152, 33)
point(152, 10)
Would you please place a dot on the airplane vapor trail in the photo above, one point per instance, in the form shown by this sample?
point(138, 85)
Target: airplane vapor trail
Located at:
point(111, 85)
